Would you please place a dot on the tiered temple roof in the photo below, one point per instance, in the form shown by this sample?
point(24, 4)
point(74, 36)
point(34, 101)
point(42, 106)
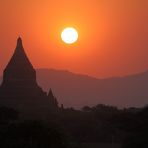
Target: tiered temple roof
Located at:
point(19, 89)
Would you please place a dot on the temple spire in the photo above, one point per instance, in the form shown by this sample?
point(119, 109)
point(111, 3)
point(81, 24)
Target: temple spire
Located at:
point(50, 93)
point(19, 66)
point(19, 42)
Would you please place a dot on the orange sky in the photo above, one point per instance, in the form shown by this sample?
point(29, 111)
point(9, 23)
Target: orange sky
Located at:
point(113, 34)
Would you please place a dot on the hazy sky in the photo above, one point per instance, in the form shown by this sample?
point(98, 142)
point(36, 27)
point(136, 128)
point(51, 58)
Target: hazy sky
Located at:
point(113, 34)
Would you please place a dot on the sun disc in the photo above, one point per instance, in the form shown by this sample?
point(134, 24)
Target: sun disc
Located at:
point(69, 35)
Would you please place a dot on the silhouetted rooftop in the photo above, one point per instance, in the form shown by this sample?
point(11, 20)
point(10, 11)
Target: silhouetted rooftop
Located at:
point(19, 58)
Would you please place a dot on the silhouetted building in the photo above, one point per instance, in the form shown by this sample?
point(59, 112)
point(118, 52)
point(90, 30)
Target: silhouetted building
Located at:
point(19, 89)
point(52, 99)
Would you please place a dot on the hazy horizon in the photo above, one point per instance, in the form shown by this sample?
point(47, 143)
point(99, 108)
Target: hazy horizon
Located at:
point(85, 74)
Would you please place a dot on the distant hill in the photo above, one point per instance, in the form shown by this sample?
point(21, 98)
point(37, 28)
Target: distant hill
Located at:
point(78, 90)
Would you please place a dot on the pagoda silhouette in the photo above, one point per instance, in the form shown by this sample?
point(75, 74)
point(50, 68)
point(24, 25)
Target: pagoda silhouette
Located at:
point(19, 89)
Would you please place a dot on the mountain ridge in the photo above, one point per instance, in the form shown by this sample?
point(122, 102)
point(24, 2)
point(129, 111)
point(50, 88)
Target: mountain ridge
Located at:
point(77, 90)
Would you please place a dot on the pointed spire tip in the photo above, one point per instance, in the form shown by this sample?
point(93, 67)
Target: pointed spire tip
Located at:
point(19, 41)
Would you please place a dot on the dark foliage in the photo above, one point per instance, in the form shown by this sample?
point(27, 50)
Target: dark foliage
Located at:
point(69, 127)
point(138, 131)
point(8, 114)
point(31, 134)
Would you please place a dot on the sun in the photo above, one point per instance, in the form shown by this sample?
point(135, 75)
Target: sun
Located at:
point(69, 35)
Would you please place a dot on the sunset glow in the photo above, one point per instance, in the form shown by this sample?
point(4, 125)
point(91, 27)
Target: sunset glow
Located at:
point(73, 73)
point(112, 35)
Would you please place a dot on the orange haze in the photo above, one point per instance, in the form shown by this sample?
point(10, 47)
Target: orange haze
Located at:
point(113, 34)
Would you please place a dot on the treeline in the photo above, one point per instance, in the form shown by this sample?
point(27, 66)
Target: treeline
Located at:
point(69, 128)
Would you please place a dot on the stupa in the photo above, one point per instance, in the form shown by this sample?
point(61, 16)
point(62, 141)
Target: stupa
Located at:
point(19, 89)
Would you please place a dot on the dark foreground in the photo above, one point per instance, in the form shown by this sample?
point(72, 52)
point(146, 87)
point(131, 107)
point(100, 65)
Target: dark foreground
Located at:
point(93, 127)
point(99, 145)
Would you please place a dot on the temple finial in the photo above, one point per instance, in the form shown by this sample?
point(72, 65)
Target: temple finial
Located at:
point(50, 93)
point(19, 42)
